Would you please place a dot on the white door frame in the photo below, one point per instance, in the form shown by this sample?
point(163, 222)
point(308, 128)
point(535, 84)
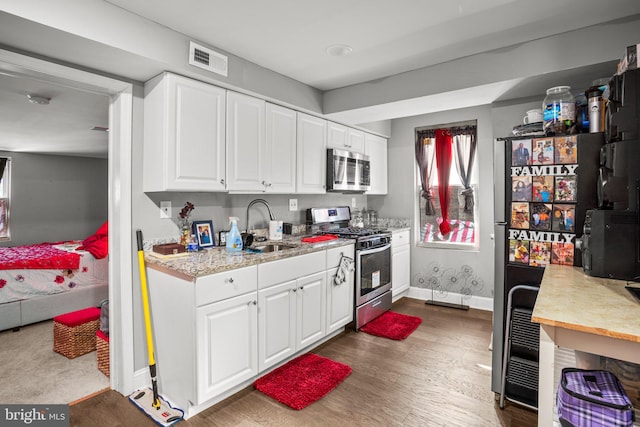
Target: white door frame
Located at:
point(120, 237)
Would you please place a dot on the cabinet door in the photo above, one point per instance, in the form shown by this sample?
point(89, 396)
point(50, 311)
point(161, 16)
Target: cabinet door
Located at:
point(339, 300)
point(245, 142)
point(227, 340)
point(280, 150)
point(344, 138)
point(312, 154)
point(356, 140)
point(376, 149)
point(311, 310)
point(277, 323)
point(400, 270)
point(337, 136)
point(184, 135)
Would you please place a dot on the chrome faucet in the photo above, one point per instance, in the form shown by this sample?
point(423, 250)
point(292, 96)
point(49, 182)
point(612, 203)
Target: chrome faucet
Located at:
point(253, 202)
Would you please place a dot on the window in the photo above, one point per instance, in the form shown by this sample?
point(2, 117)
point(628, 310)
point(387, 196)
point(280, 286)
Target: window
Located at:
point(445, 156)
point(5, 187)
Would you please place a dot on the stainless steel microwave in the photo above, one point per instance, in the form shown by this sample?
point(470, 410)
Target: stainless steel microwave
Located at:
point(347, 172)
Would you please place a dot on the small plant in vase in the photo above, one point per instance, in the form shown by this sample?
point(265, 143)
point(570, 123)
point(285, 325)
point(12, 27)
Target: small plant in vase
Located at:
point(185, 223)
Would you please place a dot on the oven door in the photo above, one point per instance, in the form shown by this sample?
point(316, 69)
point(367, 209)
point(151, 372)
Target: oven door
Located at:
point(373, 273)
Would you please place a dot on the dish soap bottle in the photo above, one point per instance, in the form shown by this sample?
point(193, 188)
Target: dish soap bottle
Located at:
point(234, 241)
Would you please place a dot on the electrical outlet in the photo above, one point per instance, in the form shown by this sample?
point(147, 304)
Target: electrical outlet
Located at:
point(165, 209)
point(293, 204)
point(353, 202)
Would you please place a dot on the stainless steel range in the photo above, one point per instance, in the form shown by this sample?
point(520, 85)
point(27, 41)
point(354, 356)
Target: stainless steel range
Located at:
point(373, 260)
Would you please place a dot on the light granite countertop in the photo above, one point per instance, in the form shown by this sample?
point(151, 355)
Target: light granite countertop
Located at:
point(216, 260)
point(570, 299)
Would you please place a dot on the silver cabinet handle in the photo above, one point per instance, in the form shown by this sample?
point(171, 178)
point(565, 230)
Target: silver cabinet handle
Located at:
point(301, 288)
point(230, 280)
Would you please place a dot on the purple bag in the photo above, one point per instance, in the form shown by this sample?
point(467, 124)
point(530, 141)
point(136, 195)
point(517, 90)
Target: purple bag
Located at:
point(593, 399)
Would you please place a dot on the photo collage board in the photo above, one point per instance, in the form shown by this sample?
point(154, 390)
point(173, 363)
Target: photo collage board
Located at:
point(543, 200)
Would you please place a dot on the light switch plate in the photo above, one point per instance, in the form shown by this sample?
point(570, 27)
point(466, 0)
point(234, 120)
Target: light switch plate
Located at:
point(353, 202)
point(293, 204)
point(165, 209)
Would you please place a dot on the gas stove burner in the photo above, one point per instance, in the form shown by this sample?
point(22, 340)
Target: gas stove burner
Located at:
point(352, 231)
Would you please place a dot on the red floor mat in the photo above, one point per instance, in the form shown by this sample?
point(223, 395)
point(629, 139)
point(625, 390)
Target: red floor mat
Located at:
point(303, 380)
point(392, 325)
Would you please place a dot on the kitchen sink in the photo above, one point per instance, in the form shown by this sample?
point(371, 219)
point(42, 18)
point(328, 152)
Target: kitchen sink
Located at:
point(273, 247)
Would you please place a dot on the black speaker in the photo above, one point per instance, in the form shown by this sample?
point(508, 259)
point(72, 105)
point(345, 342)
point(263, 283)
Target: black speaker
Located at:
point(618, 183)
point(622, 113)
point(610, 244)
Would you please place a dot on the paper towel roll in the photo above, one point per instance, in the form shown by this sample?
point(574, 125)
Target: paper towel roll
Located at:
point(275, 230)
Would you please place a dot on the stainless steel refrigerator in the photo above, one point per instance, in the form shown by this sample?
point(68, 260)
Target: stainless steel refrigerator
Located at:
point(542, 187)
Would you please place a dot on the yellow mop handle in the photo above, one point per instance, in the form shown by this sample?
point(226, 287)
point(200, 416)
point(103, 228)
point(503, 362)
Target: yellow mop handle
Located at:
point(147, 319)
point(145, 303)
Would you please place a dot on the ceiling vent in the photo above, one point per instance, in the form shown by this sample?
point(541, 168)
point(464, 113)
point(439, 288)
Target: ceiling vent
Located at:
point(208, 59)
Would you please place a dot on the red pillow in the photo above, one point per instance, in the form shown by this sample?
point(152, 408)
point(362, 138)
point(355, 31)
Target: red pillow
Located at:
point(103, 231)
point(98, 243)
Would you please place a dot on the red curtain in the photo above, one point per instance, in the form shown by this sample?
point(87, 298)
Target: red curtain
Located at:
point(443, 162)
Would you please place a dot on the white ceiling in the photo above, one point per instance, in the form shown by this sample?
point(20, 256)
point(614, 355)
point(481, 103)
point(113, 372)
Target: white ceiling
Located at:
point(64, 126)
point(388, 37)
point(290, 37)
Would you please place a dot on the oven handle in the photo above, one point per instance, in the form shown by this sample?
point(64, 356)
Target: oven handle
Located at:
point(374, 250)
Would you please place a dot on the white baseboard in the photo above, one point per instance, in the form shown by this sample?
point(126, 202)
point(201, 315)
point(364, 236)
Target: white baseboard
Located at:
point(141, 379)
point(480, 303)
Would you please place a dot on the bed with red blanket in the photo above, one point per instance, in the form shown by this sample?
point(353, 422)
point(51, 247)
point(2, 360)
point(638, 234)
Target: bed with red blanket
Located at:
point(40, 281)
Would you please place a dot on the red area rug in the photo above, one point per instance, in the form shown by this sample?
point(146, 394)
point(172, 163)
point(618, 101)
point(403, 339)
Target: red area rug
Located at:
point(303, 380)
point(392, 325)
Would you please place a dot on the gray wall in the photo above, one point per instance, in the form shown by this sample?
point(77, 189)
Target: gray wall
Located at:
point(402, 198)
point(56, 198)
point(220, 206)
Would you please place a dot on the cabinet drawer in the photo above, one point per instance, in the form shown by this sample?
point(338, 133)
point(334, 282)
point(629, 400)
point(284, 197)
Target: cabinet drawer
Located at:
point(220, 286)
point(400, 238)
point(274, 272)
point(334, 255)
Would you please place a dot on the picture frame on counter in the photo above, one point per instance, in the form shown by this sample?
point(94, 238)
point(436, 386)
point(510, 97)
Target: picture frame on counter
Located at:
point(204, 234)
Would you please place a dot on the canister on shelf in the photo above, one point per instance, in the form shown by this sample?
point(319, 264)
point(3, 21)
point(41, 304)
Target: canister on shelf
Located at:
point(594, 97)
point(559, 110)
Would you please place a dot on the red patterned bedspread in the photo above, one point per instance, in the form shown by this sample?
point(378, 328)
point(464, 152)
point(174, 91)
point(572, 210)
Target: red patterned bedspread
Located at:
point(39, 256)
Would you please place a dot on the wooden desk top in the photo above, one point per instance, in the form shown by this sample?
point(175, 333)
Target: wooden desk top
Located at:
point(570, 299)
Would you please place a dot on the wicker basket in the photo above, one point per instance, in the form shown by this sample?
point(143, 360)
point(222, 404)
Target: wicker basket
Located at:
point(102, 352)
point(73, 340)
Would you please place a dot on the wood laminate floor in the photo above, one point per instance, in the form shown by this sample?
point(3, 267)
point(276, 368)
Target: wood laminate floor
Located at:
point(438, 376)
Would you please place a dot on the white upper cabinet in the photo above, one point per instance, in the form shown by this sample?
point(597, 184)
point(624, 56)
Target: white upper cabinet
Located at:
point(356, 140)
point(337, 136)
point(261, 146)
point(344, 138)
point(312, 155)
point(280, 152)
point(376, 149)
point(184, 135)
point(245, 142)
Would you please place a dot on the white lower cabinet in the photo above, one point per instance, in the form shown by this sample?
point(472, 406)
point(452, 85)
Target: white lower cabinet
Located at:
point(217, 333)
point(400, 263)
point(311, 309)
point(291, 313)
point(227, 337)
point(277, 332)
point(339, 295)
